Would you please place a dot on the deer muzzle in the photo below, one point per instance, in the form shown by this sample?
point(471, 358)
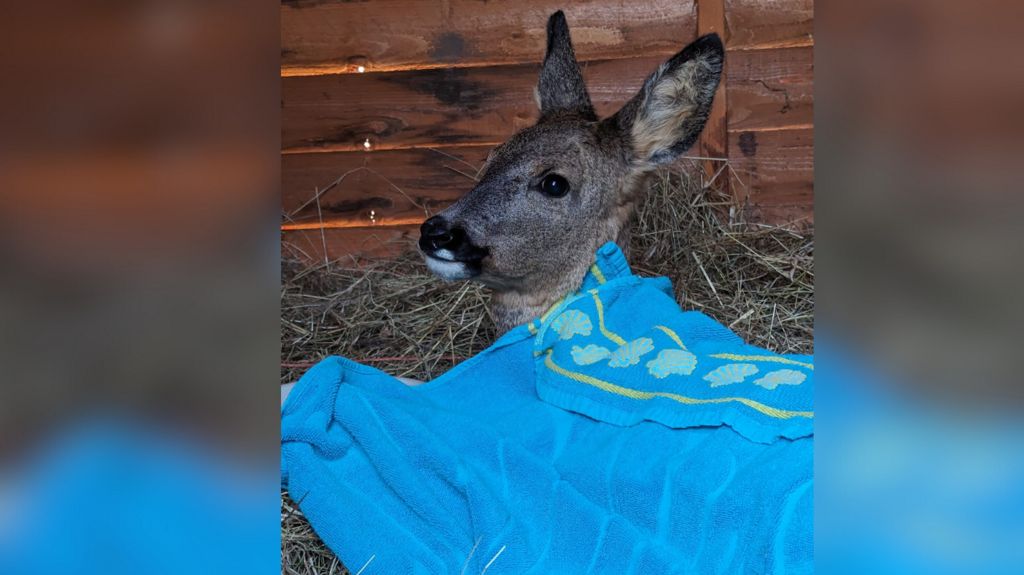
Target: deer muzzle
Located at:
point(448, 250)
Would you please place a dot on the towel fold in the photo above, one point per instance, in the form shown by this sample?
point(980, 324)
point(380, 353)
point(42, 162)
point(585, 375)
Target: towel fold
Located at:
point(615, 434)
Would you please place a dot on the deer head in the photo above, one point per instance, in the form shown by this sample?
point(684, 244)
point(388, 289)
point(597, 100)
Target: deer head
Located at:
point(556, 191)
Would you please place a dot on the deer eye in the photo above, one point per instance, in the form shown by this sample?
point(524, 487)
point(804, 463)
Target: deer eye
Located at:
point(554, 186)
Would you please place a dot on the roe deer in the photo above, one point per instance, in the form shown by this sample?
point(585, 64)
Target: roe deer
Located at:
point(556, 191)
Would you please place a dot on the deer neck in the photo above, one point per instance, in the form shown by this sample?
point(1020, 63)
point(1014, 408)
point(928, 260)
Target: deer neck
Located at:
point(516, 307)
point(512, 308)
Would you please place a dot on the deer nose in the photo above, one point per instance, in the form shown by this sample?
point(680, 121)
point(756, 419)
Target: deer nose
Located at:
point(435, 234)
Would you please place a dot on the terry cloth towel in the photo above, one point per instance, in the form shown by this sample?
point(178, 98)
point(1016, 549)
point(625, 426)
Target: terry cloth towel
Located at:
point(615, 434)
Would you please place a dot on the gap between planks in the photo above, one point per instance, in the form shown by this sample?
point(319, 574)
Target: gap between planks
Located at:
point(331, 69)
point(339, 148)
point(335, 224)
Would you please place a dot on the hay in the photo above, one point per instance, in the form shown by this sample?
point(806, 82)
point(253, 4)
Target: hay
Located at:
point(756, 279)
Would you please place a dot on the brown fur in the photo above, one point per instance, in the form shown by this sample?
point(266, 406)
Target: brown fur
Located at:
point(540, 247)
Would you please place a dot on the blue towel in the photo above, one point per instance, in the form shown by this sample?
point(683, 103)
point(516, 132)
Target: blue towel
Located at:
point(614, 434)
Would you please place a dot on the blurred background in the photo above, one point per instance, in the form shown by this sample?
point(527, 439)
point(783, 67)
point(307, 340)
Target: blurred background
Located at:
point(138, 300)
point(139, 195)
point(919, 435)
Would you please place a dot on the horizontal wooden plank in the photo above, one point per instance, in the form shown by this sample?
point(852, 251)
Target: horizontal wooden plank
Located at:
point(325, 36)
point(348, 244)
point(458, 106)
point(382, 187)
point(758, 24)
point(773, 173)
point(770, 89)
point(774, 169)
point(484, 106)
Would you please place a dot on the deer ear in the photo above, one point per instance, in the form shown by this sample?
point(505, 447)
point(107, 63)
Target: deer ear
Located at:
point(561, 87)
point(665, 118)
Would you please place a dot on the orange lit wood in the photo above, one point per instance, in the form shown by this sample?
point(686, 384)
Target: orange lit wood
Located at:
point(770, 89)
point(348, 244)
point(473, 106)
point(714, 141)
point(323, 36)
point(390, 187)
point(760, 24)
point(773, 174)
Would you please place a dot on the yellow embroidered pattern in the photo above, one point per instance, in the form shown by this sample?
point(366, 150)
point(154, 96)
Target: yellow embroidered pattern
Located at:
point(771, 358)
point(571, 322)
point(672, 362)
point(597, 273)
point(672, 335)
point(553, 307)
point(600, 320)
point(647, 395)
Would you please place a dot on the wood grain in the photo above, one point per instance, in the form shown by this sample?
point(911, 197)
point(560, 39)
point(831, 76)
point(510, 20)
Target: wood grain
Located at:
point(324, 36)
point(759, 24)
point(383, 187)
point(770, 89)
point(714, 140)
point(484, 106)
point(456, 106)
point(774, 173)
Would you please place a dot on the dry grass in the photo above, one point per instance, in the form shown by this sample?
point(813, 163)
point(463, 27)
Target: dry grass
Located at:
point(758, 280)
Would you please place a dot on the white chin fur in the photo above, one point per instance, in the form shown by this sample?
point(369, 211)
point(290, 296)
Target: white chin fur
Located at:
point(447, 270)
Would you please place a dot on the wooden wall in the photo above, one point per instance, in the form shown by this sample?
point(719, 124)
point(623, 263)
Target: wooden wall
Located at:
point(389, 106)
